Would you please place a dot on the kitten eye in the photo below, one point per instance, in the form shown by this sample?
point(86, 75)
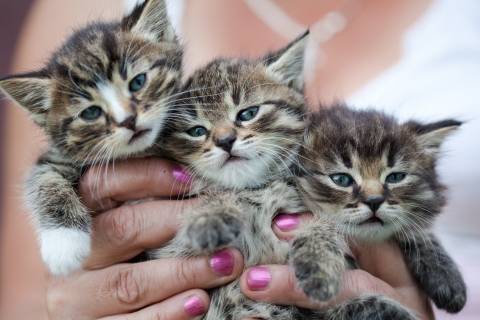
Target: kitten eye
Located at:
point(197, 131)
point(342, 179)
point(91, 113)
point(395, 177)
point(248, 114)
point(138, 82)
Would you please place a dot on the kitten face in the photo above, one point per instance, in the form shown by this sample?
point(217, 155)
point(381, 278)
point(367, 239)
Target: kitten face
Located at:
point(375, 177)
point(105, 92)
point(240, 122)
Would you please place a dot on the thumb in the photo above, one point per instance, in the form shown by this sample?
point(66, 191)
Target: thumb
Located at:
point(385, 261)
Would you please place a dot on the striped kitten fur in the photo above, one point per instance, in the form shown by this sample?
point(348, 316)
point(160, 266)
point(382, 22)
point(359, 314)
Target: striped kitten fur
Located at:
point(102, 96)
point(377, 180)
point(239, 132)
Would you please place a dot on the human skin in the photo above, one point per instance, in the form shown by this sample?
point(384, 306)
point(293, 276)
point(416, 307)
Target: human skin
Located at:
point(110, 288)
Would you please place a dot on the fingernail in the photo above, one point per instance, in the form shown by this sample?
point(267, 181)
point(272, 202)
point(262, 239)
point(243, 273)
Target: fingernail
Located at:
point(194, 306)
point(222, 263)
point(287, 222)
point(180, 174)
point(258, 278)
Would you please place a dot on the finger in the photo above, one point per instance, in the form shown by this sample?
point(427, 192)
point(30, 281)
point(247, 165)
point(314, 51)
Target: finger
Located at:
point(187, 305)
point(273, 284)
point(129, 287)
point(385, 261)
point(122, 233)
point(104, 187)
point(285, 225)
point(277, 285)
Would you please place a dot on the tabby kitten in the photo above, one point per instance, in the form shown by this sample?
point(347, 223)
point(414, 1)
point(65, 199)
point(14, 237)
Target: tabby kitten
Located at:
point(377, 180)
point(240, 128)
point(102, 96)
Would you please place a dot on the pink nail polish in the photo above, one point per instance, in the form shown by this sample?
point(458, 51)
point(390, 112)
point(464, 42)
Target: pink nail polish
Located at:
point(258, 278)
point(194, 306)
point(180, 174)
point(287, 222)
point(222, 263)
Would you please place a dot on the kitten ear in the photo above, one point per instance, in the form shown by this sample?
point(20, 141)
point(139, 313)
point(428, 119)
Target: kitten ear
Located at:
point(431, 136)
point(31, 91)
point(287, 64)
point(150, 20)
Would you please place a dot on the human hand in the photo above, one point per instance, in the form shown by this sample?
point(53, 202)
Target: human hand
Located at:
point(108, 288)
point(383, 271)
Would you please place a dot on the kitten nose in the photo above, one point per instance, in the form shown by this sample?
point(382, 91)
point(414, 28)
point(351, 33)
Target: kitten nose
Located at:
point(129, 123)
point(374, 202)
point(226, 142)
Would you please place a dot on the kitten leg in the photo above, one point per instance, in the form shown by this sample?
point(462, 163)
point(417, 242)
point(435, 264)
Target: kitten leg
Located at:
point(436, 272)
point(213, 225)
point(370, 307)
point(63, 223)
point(317, 256)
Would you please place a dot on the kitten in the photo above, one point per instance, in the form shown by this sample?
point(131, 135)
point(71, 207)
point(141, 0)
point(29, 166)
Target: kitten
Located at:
point(377, 180)
point(239, 133)
point(102, 96)
point(239, 129)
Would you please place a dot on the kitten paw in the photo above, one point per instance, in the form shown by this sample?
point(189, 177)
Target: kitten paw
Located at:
point(372, 307)
point(450, 296)
point(209, 233)
point(64, 250)
point(318, 278)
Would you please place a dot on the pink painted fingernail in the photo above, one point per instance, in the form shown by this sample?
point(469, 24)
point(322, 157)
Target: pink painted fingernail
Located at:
point(222, 262)
point(194, 306)
point(180, 174)
point(258, 278)
point(287, 222)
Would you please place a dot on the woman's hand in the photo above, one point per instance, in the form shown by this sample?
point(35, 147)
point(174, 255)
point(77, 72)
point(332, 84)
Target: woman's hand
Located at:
point(157, 289)
point(383, 272)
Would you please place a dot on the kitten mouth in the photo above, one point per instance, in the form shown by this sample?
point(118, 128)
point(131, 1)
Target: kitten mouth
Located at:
point(231, 159)
point(137, 135)
point(372, 220)
point(234, 158)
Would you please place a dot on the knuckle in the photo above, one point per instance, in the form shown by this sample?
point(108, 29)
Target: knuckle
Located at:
point(125, 286)
point(185, 273)
point(124, 225)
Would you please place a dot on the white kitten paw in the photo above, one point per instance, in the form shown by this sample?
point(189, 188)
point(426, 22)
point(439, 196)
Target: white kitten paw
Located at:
point(63, 249)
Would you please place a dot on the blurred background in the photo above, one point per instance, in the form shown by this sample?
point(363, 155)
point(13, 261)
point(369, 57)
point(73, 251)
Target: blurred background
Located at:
point(412, 58)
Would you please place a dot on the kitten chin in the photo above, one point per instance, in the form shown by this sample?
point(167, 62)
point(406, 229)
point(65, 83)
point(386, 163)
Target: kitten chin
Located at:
point(244, 173)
